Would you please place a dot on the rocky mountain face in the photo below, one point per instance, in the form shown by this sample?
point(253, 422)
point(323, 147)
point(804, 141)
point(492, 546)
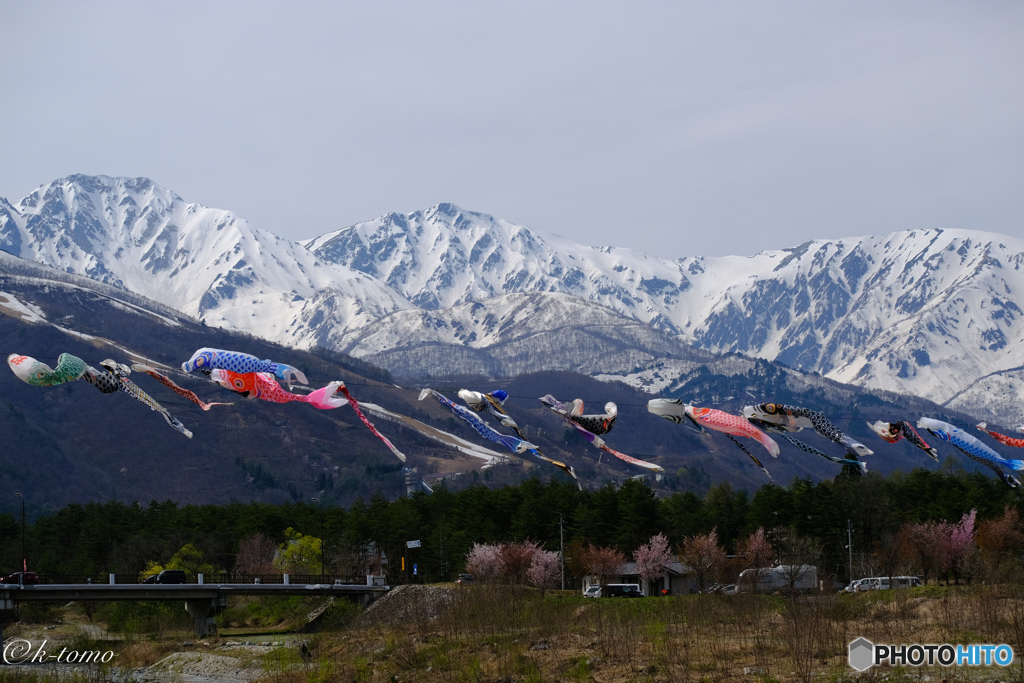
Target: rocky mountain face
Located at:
point(207, 263)
point(112, 447)
point(934, 313)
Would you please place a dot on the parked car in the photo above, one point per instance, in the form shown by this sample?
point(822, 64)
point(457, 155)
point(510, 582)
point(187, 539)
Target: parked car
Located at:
point(853, 585)
point(465, 578)
point(168, 576)
point(592, 592)
point(22, 578)
point(883, 583)
point(622, 590)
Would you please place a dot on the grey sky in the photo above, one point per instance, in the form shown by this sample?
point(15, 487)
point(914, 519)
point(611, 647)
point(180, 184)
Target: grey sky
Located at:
point(678, 128)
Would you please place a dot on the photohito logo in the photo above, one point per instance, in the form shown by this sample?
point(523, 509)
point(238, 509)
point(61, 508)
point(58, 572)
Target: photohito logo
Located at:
point(864, 654)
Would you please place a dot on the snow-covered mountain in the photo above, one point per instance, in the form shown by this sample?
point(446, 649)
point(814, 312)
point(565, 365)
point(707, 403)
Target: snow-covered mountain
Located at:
point(207, 263)
point(513, 334)
point(937, 313)
point(923, 312)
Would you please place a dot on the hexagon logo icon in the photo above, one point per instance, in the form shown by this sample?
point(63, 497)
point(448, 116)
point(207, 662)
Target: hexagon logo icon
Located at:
point(862, 654)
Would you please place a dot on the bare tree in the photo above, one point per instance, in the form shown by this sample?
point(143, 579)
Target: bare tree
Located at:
point(798, 556)
point(255, 555)
point(604, 562)
point(704, 556)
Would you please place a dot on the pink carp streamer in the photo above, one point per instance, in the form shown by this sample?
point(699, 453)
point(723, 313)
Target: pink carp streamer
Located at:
point(355, 406)
point(731, 424)
point(1001, 438)
point(262, 385)
point(167, 382)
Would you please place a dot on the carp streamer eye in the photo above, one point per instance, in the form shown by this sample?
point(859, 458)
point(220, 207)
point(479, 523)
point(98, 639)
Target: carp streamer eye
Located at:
point(893, 429)
point(769, 408)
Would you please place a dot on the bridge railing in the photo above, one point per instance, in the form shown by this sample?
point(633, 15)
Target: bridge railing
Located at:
point(220, 577)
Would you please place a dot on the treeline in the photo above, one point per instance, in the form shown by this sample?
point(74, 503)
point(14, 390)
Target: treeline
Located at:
point(114, 537)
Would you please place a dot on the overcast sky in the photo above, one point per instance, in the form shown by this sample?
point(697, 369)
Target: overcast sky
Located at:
point(678, 128)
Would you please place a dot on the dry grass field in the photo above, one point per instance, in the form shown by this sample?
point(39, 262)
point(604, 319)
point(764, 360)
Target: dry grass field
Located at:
point(506, 633)
point(499, 634)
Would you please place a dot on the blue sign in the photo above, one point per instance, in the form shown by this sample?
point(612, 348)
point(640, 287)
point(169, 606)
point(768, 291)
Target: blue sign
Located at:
point(414, 569)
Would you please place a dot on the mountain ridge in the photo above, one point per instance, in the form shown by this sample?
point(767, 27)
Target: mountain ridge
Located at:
point(924, 312)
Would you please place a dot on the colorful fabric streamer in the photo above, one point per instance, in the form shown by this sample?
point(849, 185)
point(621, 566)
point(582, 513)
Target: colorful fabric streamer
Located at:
point(493, 403)
point(595, 424)
point(514, 444)
point(167, 382)
point(894, 431)
point(559, 408)
point(1001, 438)
point(795, 418)
point(112, 377)
point(39, 374)
point(674, 410)
point(806, 448)
point(355, 406)
point(973, 448)
point(731, 424)
point(262, 385)
point(241, 363)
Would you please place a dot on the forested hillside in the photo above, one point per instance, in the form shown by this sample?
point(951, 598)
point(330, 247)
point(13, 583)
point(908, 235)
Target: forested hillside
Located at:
point(805, 517)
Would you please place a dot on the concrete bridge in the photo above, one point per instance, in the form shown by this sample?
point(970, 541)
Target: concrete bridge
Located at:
point(202, 600)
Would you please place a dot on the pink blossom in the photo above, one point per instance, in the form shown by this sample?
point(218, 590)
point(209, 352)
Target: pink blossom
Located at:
point(651, 559)
point(484, 562)
point(544, 569)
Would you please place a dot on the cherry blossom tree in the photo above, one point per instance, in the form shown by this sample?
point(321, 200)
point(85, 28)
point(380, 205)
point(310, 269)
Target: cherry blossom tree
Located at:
point(961, 545)
point(544, 569)
point(652, 558)
point(484, 562)
point(516, 559)
point(758, 554)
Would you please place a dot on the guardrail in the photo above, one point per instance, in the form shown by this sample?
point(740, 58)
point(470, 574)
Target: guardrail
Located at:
point(220, 577)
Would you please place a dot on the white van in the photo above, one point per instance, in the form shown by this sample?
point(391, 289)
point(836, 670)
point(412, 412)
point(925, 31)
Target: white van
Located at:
point(778, 579)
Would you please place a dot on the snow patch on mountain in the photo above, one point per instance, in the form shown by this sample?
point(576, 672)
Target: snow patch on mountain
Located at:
point(208, 263)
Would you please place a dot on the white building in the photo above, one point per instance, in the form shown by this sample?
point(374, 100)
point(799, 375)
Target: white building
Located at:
point(676, 580)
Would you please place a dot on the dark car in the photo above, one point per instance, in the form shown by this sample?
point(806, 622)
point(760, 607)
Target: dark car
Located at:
point(465, 578)
point(621, 590)
point(168, 576)
point(23, 578)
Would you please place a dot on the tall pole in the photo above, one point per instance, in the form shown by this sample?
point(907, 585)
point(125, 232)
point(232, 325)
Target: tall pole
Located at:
point(849, 545)
point(321, 538)
point(24, 560)
point(561, 544)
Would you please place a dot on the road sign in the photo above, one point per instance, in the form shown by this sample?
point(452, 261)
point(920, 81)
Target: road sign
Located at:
point(412, 544)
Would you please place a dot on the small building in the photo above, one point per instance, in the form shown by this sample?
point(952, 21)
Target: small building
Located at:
point(677, 579)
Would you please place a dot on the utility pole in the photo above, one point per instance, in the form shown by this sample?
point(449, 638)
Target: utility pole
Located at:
point(561, 544)
point(321, 538)
point(849, 545)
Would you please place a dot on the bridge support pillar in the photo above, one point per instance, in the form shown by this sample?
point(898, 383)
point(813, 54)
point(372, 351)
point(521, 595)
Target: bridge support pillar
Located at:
point(6, 615)
point(204, 611)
